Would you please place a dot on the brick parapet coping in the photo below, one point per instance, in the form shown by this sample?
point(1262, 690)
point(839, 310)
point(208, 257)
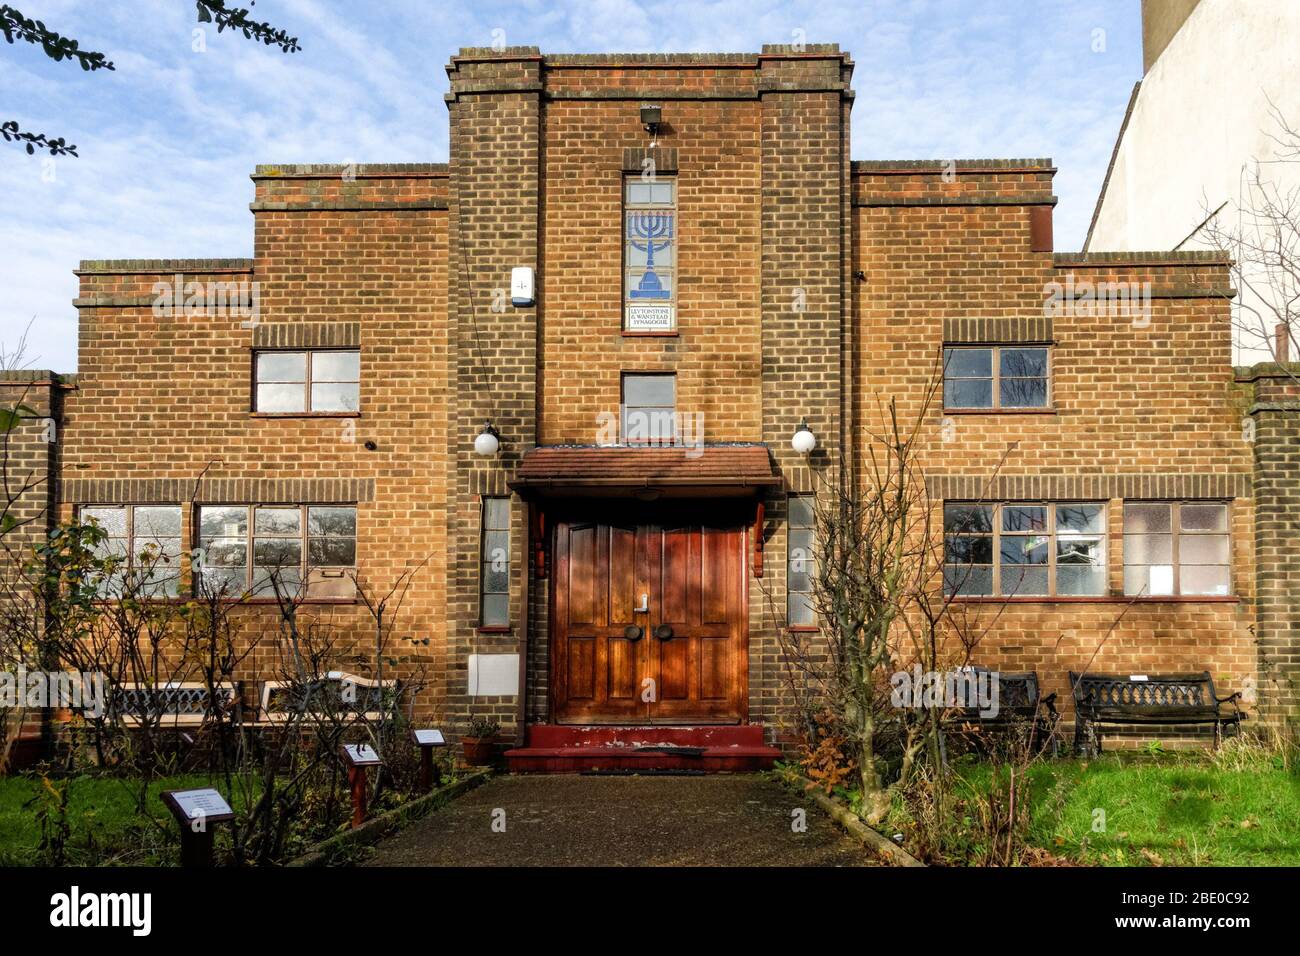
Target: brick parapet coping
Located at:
point(150, 266)
point(1110, 260)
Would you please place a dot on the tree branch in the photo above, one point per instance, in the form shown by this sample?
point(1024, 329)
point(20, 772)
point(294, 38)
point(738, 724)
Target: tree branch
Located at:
point(56, 46)
point(235, 18)
point(57, 147)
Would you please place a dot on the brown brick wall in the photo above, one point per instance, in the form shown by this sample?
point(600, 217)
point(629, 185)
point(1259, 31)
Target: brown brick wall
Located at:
point(1275, 416)
point(715, 353)
point(495, 117)
point(162, 398)
point(1139, 410)
point(809, 287)
point(30, 452)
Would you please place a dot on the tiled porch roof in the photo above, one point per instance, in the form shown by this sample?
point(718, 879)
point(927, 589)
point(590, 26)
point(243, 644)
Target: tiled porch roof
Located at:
point(571, 466)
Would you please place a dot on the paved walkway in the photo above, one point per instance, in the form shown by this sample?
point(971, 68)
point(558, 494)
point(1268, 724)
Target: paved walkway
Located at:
point(624, 821)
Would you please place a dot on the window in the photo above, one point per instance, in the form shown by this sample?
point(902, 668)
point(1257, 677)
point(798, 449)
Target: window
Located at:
point(1176, 548)
point(146, 540)
point(319, 382)
point(996, 377)
point(1025, 550)
point(650, 409)
point(287, 543)
point(494, 583)
point(800, 562)
point(649, 254)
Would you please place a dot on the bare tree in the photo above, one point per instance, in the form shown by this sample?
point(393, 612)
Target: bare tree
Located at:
point(1262, 233)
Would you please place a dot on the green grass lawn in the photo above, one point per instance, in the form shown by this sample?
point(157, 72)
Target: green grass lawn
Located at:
point(1179, 808)
point(101, 815)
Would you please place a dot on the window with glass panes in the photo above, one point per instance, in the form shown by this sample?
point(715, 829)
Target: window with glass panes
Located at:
point(800, 561)
point(310, 382)
point(1177, 548)
point(649, 254)
point(264, 549)
point(146, 541)
point(494, 583)
point(649, 409)
point(996, 377)
point(1017, 549)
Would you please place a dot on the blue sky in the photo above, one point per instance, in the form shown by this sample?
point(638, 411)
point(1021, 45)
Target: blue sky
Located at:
point(167, 140)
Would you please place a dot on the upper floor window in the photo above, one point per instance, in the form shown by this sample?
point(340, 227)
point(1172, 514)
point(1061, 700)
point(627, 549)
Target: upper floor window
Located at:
point(1176, 548)
point(1025, 550)
point(649, 409)
point(260, 549)
point(312, 382)
point(650, 254)
point(800, 562)
point(996, 377)
point(146, 541)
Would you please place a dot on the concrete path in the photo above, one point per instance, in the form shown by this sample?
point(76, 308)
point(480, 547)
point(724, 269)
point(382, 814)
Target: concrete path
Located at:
point(721, 820)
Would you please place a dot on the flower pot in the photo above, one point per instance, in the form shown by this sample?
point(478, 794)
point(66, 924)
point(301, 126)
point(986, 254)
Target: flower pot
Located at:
point(477, 750)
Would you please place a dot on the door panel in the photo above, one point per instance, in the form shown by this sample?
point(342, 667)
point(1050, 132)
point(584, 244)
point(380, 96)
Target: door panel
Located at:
point(690, 574)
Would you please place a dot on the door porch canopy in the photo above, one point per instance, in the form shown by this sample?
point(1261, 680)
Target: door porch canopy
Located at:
point(567, 471)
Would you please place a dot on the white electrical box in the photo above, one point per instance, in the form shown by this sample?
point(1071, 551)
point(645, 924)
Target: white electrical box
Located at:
point(521, 286)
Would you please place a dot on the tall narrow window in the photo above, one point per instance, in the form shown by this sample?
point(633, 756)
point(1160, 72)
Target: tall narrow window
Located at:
point(650, 254)
point(1176, 548)
point(800, 562)
point(650, 409)
point(146, 541)
point(317, 382)
point(996, 377)
point(494, 583)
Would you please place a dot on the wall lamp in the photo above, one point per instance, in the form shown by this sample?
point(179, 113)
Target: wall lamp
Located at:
point(488, 442)
point(652, 117)
point(804, 441)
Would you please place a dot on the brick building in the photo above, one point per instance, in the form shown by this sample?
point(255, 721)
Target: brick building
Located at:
point(722, 266)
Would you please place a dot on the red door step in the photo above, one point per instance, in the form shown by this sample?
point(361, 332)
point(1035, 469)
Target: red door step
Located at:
point(563, 749)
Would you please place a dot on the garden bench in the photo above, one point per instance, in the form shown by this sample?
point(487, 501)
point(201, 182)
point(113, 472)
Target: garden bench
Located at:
point(1148, 700)
point(328, 695)
point(173, 704)
point(1021, 707)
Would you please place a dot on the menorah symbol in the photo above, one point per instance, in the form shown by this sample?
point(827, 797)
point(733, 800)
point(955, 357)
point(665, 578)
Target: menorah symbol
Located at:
point(656, 229)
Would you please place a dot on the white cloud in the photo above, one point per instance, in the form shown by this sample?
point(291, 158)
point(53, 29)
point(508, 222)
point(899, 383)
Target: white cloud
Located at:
point(168, 139)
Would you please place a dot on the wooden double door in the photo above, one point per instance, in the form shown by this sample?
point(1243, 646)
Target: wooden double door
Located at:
point(649, 619)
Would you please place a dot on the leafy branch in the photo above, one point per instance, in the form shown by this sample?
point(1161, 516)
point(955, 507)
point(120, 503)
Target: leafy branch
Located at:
point(57, 47)
point(57, 146)
point(235, 18)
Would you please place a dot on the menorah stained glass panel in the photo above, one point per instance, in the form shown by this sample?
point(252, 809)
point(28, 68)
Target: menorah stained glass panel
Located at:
point(649, 241)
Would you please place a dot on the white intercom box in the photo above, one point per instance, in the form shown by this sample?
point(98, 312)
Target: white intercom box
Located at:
point(521, 286)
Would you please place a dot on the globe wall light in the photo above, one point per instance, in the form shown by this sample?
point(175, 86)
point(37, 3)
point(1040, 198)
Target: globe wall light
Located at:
point(488, 442)
point(804, 441)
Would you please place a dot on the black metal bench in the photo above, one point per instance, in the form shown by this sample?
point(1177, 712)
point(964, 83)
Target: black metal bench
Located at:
point(1148, 700)
point(172, 704)
point(1021, 709)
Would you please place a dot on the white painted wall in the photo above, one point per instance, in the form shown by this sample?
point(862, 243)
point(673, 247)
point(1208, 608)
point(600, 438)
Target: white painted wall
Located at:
point(1200, 123)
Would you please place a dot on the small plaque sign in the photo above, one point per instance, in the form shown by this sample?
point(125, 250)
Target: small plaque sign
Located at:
point(649, 318)
point(1137, 677)
point(207, 805)
point(361, 755)
point(430, 737)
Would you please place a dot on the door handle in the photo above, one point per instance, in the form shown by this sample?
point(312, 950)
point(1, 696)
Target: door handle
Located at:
point(632, 633)
point(664, 632)
point(645, 605)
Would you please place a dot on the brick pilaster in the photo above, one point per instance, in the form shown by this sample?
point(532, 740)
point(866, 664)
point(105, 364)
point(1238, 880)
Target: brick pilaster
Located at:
point(495, 120)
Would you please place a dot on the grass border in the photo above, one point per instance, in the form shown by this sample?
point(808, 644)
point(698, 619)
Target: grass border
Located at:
point(328, 852)
point(838, 811)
